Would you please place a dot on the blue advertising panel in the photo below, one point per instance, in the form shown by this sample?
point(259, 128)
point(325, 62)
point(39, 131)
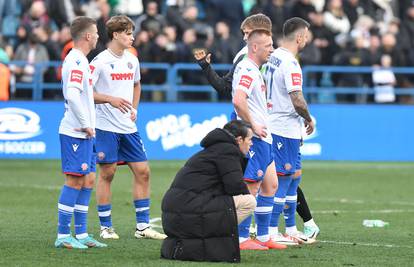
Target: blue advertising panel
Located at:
point(174, 130)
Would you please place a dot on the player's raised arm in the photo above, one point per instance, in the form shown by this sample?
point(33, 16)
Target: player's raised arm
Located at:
point(221, 84)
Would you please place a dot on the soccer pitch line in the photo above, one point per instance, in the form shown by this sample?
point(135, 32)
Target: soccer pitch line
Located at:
point(33, 186)
point(364, 244)
point(359, 201)
point(384, 211)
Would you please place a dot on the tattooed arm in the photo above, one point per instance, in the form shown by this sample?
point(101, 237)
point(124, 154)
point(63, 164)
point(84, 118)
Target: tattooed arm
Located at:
point(301, 108)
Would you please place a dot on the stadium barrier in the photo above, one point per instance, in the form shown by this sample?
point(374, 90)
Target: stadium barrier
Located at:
point(29, 129)
point(325, 92)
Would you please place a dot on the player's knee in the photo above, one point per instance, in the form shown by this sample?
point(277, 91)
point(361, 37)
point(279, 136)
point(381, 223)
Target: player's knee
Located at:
point(297, 174)
point(106, 176)
point(143, 175)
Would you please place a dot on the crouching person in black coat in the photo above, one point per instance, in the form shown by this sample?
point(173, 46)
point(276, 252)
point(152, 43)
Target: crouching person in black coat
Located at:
point(208, 199)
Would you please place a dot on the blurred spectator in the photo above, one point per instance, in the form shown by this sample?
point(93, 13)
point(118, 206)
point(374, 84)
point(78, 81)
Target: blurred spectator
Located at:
point(63, 11)
point(323, 39)
point(32, 52)
point(185, 48)
point(105, 14)
point(278, 11)
point(374, 48)
point(229, 11)
point(175, 10)
point(4, 57)
point(310, 54)
point(354, 54)
point(303, 9)
point(224, 48)
point(384, 80)
point(151, 21)
point(37, 16)
point(131, 8)
point(10, 11)
point(335, 18)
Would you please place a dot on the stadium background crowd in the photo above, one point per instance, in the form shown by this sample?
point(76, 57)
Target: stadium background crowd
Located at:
point(344, 32)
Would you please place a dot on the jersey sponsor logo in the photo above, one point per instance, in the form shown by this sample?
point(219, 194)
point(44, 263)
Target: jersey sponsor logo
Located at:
point(245, 81)
point(296, 79)
point(122, 76)
point(75, 147)
point(76, 76)
point(92, 68)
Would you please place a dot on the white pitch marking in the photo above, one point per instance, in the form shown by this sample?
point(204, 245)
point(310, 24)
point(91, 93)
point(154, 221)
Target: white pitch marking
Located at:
point(359, 201)
point(34, 186)
point(364, 244)
point(385, 211)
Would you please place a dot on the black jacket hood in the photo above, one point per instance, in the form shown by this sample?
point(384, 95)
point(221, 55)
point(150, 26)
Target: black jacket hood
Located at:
point(218, 136)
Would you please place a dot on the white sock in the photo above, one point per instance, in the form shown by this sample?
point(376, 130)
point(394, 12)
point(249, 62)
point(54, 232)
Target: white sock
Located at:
point(273, 231)
point(291, 229)
point(62, 235)
point(310, 223)
point(242, 239)
point(82, 236)
point(142, 226)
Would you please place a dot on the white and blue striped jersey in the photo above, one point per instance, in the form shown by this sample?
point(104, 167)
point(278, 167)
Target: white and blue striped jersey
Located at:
point(76, 76)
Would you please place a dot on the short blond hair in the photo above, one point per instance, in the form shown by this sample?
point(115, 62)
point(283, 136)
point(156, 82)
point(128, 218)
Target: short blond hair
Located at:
point(256, 22)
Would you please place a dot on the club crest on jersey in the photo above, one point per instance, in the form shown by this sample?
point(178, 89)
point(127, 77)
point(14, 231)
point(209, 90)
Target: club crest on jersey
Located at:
point(296, 79)
point(112, 66)
point(77, 62)
point(84, 166)
point(76, 76)
point(101, 155)
point(130, 66)
point(245, 81)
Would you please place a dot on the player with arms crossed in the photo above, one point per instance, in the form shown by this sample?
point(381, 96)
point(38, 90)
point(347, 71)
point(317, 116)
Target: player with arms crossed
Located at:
point(116, 73)
point(76, 133)
point(287, 109)
point(249, 99)
point(223, 85)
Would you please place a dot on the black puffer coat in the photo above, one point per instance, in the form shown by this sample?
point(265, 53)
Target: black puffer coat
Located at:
point(198, 212)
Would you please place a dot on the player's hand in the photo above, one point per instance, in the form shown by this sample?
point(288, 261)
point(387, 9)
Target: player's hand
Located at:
point(133, 115)
point(123, 105)
point(90, 132)
point(260, 130)
point(202, 58)
point(310, 127)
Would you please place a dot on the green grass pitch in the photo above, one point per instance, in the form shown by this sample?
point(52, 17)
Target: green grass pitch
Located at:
point(340, 194)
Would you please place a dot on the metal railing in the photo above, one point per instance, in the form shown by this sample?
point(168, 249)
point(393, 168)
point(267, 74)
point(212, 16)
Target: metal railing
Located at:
point(173, 84)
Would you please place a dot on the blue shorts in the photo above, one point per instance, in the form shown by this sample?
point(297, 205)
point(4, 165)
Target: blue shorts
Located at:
point(286, 154)
point(299, 162)
point(260, 157)
point(115, 147)
point(78, 155)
